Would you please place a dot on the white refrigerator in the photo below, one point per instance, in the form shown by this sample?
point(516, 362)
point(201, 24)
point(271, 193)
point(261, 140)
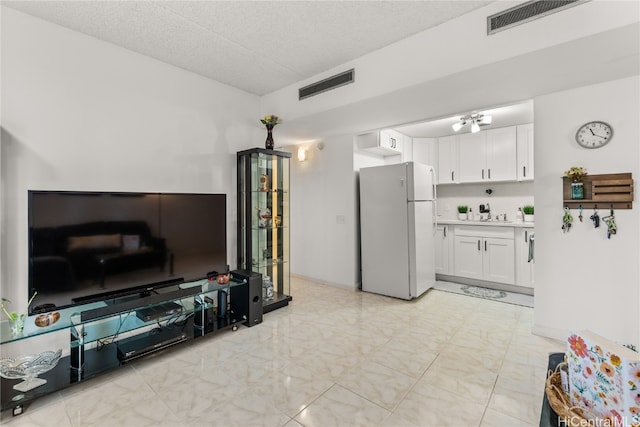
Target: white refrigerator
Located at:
point(397, 228)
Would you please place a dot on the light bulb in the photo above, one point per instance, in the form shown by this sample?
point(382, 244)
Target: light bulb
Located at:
point(486, 120)
point(457, 126)
point(475, 127)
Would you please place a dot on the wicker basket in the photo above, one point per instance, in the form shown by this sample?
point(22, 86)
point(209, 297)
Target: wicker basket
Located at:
point(561, 403)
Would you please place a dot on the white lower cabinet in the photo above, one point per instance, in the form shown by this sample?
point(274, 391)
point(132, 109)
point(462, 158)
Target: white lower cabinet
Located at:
point(468, 253)
point(524, 265)
point(485, 253)
point(443, 250)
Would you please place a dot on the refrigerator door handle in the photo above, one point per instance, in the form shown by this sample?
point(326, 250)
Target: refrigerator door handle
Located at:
point(435, 200)
point(435, 217)
point(433, 184)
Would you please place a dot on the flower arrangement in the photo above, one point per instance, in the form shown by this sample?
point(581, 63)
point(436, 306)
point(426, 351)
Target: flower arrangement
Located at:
point(576, 173)
point(528, 210)
point(270, 120)
point(463, 209)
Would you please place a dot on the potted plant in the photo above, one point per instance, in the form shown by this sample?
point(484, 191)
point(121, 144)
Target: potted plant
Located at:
point(462, 212)
point(16, 320)
point(528, 213)
point(576, 174)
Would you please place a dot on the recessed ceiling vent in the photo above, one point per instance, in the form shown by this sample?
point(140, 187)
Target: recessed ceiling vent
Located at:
point(526, 12)
point(326, 84)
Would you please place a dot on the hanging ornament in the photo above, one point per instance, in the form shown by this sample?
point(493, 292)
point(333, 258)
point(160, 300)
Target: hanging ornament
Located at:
point(567, 219)
point(595, 218)
point(612, 228)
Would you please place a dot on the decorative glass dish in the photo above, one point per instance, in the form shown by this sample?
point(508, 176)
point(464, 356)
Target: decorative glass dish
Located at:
point(28, 368)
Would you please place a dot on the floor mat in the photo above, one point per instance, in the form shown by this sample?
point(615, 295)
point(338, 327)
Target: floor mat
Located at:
point(486, 293)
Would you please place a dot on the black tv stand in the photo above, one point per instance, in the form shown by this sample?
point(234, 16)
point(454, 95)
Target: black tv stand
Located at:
point(111, 335)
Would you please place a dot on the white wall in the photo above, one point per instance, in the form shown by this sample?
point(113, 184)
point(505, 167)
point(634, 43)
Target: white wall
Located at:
point(81, 114)
point(583, 279)
point(323, 234)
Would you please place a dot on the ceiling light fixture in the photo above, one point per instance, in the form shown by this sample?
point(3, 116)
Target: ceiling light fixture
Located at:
point(473, 119)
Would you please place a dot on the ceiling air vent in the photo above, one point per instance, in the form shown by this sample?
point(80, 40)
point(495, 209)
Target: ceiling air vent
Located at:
point(326, 84)
point(527, 12)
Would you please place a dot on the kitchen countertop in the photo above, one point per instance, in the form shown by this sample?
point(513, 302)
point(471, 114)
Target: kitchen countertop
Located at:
point(515, 224)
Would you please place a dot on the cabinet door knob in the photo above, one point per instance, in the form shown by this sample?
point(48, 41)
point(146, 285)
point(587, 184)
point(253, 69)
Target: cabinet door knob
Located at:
point(524, 171)
point(482, 173)
point(525, 236)
point(479, 245)
point(485, 245)
point(445, 231)
point(489, 172)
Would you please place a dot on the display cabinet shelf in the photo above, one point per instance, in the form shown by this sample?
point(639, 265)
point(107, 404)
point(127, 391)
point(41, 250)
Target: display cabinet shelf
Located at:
point(263, 219)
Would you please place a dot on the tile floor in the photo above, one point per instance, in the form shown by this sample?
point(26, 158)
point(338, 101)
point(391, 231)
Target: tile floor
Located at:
point(333, 357)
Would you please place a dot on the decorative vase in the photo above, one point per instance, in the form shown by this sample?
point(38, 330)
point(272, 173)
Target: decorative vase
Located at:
point(577, 190)
point(462, 216)
point(17, 324)
point(529, 218)
point(269, 142)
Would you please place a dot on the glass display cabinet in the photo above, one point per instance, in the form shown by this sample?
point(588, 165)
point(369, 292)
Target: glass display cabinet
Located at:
point(263, 221)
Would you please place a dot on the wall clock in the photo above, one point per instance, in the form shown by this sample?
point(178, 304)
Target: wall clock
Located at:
point(594, 134)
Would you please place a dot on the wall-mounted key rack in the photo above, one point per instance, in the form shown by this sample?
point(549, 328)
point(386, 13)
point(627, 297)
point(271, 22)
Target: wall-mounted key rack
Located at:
point(607, 191)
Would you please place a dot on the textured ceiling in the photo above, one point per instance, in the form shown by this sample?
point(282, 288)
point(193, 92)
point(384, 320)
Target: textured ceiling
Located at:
point(256, 46)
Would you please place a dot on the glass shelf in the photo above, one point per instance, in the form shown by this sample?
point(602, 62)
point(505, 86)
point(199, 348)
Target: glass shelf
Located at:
point(70, 317)
point(263, 217)
point(95, 345)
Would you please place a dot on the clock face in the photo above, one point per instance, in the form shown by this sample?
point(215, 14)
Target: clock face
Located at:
point(594, 134)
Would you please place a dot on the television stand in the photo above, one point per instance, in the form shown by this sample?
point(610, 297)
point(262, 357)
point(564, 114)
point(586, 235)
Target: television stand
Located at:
point(101, 343)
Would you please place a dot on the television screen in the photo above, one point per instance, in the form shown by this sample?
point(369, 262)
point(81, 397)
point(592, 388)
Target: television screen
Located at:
point(89, 246)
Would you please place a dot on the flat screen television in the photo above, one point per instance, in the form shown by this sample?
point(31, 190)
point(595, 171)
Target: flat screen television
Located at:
point(99, 246)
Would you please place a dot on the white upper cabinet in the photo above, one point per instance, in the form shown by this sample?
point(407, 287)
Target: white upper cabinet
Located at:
point(501, 149)
point(448, 159)
point(425, 151)
point(386, 142)
point(525, 152)
point(407, 148)
point(472, 157)
point(488, 155)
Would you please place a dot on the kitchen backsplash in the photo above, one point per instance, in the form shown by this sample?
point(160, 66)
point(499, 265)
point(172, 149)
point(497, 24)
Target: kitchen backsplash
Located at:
point(505, 197)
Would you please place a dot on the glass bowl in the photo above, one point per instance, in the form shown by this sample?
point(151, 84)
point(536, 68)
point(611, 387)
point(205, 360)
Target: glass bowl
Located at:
point(28, 368)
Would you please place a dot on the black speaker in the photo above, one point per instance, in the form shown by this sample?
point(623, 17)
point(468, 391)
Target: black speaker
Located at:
point(203, 316)
point(246, 300)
